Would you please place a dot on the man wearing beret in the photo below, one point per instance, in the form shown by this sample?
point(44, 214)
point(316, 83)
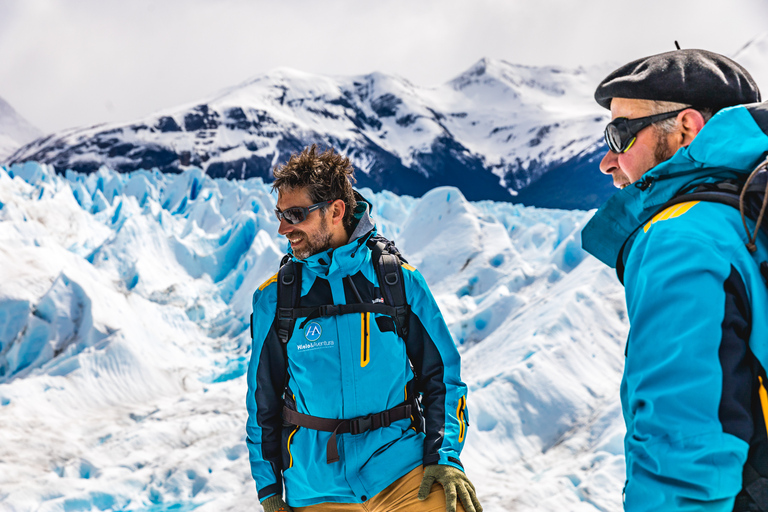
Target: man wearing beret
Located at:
point(693, 391)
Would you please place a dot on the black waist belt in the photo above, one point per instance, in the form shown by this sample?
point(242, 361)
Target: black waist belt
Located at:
point(354, 426)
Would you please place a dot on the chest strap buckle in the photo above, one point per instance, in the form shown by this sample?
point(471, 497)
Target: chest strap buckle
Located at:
point(360, 425)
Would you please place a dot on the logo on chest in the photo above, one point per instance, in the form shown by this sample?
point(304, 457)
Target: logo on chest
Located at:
point(313, 331)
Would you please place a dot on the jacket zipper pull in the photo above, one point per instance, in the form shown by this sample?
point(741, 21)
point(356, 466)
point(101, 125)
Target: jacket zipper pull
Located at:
point(360, 242)
point(645, 183)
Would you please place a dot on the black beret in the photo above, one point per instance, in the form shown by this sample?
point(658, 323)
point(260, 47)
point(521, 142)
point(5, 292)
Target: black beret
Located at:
point(694, 77)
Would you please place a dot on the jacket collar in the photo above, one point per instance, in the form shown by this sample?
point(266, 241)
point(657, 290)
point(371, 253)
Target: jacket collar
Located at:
point(731, 144)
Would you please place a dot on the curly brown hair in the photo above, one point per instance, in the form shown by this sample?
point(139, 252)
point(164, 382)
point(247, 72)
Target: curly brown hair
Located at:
point(327, 176)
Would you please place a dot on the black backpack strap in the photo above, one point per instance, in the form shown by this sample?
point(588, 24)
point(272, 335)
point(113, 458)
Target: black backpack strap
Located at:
point(354, 426)
point(714, 196)
point(387, 260)
point(288, 294)
point(341, 309)
point(754, 491)
point(726, 193)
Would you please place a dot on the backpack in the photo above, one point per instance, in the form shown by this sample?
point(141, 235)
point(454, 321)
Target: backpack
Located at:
point(387, 261)
point(749, 197)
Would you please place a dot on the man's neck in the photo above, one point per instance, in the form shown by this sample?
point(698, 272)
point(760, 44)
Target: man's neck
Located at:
point(339, 239)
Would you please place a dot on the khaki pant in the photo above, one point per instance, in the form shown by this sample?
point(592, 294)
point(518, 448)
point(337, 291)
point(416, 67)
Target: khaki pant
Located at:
point(400, 496)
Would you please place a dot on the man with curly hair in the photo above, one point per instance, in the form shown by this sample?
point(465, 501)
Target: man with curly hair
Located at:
point(355, 401)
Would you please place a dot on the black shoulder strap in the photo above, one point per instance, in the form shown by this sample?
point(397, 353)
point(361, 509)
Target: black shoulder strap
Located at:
point(288, 294)
point(387, 260)
point(712, 196)
point(726, 192)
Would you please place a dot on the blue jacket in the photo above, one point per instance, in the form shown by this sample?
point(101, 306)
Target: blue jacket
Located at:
point(344, 367)
point(697, 307)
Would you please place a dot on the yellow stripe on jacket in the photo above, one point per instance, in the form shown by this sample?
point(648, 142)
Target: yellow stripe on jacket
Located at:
point(672, 212)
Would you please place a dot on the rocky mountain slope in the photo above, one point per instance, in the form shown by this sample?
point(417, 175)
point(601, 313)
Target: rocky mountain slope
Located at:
point(491, 131)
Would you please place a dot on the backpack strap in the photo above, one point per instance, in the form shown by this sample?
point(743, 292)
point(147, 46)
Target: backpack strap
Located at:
point(754, 492)
point(387, 261)
point(340, 309)
point(354, 426)
point(288, 294)
point(725, 192)
point(714, 196)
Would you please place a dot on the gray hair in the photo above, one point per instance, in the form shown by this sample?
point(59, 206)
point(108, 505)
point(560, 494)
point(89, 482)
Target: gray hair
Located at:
point(667, 126)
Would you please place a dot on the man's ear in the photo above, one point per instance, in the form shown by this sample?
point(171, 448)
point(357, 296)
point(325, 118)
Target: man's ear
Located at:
point(691, 122)
point(338, 208)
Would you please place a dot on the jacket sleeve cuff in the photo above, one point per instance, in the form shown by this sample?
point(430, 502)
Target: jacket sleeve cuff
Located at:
point(270, 490)
point(445, 460)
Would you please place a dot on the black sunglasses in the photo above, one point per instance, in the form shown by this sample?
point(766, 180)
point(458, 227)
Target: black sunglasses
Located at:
point(297, 214)
point(621, 133)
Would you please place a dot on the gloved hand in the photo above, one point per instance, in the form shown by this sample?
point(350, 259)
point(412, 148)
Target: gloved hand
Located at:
point(455, 483)
point(275, 504)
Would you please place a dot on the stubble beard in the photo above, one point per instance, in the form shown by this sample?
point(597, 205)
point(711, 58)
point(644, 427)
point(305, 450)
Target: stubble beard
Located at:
point(662, 152)
point(318, 242)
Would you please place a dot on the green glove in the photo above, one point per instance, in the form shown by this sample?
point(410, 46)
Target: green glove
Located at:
point(275, 504)
point(455, 483)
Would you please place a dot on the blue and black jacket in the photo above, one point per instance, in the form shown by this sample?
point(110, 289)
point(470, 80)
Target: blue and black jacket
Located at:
point(349, 366)
point(698, 312)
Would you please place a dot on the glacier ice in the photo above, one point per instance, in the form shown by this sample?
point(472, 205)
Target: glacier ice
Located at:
point(124, 338)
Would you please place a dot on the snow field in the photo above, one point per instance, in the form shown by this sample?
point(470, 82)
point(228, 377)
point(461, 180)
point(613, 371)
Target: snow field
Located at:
point(124, 340)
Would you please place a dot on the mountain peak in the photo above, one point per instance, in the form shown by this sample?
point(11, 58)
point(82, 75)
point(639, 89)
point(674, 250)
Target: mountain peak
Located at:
point(14, 130)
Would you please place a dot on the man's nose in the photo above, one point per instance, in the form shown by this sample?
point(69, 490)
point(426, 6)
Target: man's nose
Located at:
point(609, 163)
point(284, 228)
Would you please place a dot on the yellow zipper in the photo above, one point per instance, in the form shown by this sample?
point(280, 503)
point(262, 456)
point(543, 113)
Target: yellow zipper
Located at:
point(290, 437)
point(764, 402)
point(460, 416)
point(365, 339)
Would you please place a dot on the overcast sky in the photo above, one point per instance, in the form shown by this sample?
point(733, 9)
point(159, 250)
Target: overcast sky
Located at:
point(79, 62)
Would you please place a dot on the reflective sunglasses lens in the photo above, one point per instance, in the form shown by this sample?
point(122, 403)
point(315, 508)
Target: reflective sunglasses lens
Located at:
point(613, 138)
point(294, 215)
point(608, 140)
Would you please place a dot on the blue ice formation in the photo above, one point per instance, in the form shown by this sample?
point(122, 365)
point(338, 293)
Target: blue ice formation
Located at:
point(224, 231)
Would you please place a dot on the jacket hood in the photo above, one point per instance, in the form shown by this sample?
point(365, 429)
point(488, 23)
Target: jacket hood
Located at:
point(363, 217)
point(730, 145)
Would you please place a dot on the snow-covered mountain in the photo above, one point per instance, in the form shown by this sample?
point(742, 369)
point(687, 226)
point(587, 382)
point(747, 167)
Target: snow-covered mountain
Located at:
point(124, 340)
point(491, 131)
point(498, 131)
point(15, 131)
